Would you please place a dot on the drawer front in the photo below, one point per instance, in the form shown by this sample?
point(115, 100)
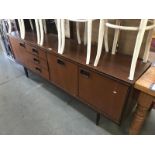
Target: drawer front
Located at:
point(36, 52)
point(63, 73)
point(103, 93)
point(35, 64)
point(39, 70)
point(37, 61)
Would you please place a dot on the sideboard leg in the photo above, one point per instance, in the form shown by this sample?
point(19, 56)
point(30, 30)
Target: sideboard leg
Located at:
point(26, 72)
point(144, 104)
point(98, 118)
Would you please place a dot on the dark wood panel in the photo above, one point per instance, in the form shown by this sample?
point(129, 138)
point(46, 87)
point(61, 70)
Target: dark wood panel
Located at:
point(63, 74)
point(105, 94)
point(18, 47)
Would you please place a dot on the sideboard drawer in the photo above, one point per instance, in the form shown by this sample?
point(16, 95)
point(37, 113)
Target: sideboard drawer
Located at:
point(36, 51)
point(63, 73)
point(39, 70)
point(36, 60)
point(105, 94)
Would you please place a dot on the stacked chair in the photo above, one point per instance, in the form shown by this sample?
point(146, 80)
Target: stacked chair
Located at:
point(144, 25)
point(40, 25)
point(88, 34)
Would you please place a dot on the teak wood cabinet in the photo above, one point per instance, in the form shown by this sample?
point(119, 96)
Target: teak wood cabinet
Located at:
point(106, 94)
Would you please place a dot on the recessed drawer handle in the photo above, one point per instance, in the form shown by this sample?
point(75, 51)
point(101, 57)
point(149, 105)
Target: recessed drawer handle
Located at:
point(60, 62)
point(36, 60)
point(22, 44)
point(84, 73)
point(38, 69)
point(34, 50)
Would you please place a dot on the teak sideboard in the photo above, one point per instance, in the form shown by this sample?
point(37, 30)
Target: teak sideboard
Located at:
point(105, 88)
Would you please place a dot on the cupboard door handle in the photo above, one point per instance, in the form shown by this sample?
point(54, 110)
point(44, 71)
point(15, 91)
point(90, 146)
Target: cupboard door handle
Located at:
point(38, 69)
point(36, 60)
point(34, 50)
point(85, 73)
point(60, 62)
point(22, 44)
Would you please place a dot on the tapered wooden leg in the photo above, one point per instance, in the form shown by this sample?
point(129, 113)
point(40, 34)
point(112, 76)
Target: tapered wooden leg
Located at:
point(58, 23)
point(41, 32)
point(85, 33)
point(67, 29)
point(100, 41)
point(26, 72)
point(20, 28)
point(37, 30)
point(98, 118)
point(31, 24)
point(44, 25)
point(78, 32)
point(10, 26)
point(116, 36)
point(62, 36)
point(106, 39)
point(23, 29)
point(137, 48)
point(89, 35)
point(144, 104)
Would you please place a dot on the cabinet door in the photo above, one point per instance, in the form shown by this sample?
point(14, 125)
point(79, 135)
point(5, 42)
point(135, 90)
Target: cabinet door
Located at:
point(105, 94)
point(63, 73)
point(18, 48)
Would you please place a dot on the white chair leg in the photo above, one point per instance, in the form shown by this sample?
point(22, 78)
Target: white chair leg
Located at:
point(23, 29)
point(106, 39)
point(147, 47)
point(85, 33)
point(89, 35)
point(41, 32)
point(58, 23)
point(116, 36)
point(31, 24)
point(38, 31)
point(62, 36)
point(67, 28)
point(139, 40)
point(20, 27)
point(44, 26)
point(78, 32)
point(55, 20)
point(100, 41)
point(9, 26)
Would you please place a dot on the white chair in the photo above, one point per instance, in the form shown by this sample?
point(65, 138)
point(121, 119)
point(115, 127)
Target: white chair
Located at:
point(141, 30)
point(61, 35)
